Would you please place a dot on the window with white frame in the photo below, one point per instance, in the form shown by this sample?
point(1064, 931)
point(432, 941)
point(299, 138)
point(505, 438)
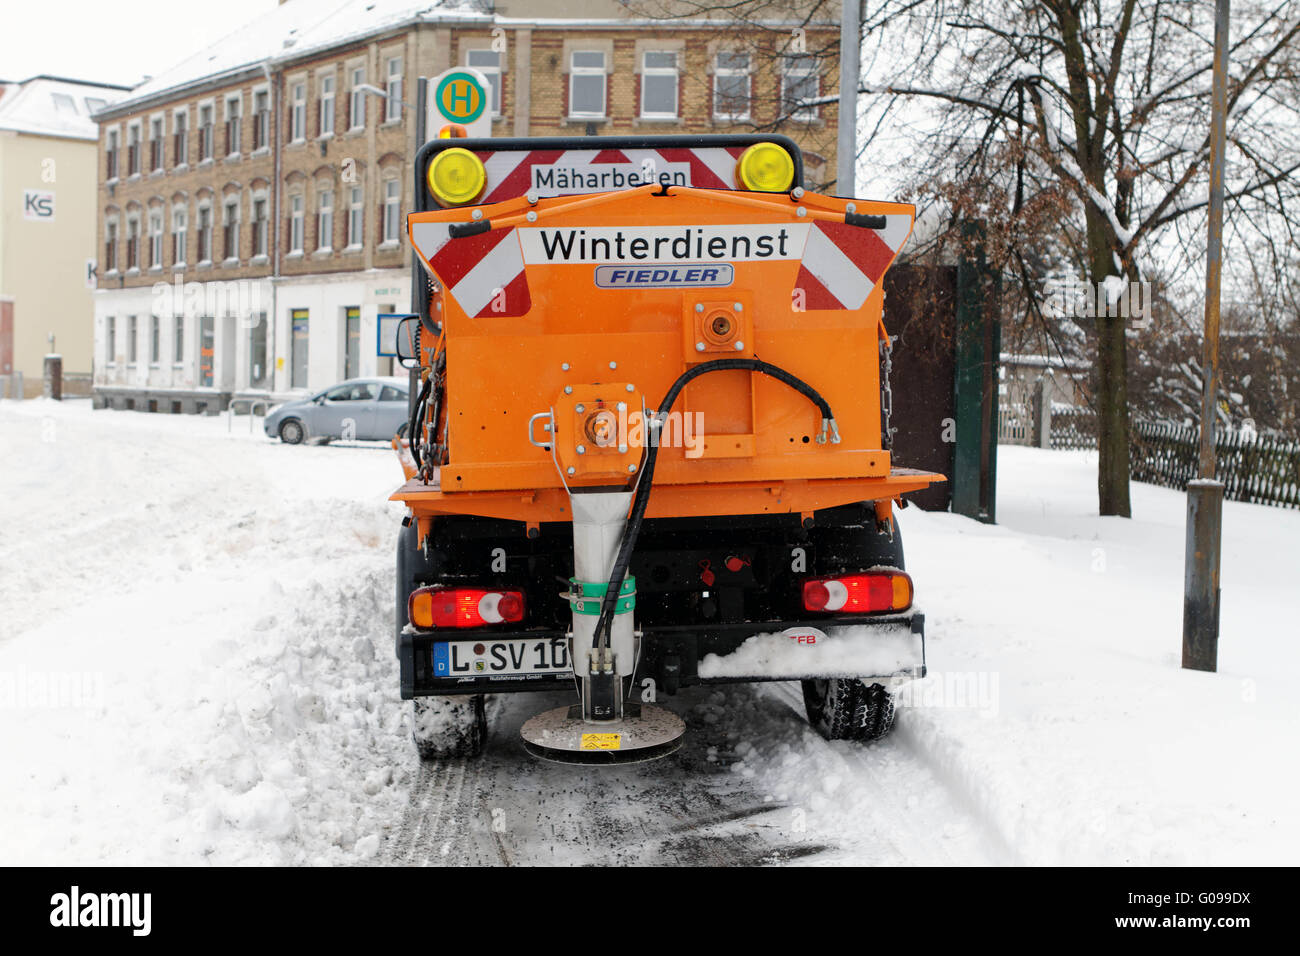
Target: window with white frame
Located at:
point(392, 209)
point(799, 83)
point(111, 155)
point(587, 84)
point(731, 86)
point(261, 119)
point(205, 233)
point(234, 106)
point(298, 113)
point(325, 221)
point(207, 131)
point(488, 62)
point(155, 339)
point(356, 217)
point(133, 243)
point(110, 244)
point(178, 339)
point(156, 144)
point(357, 102)
point(393, 87)
point(260, 229)
point(180, 138)
point(133, 150)
point(659, 84)
point(295, 225)
point(110, 340)
point(155, 238)
point(325, 119)
point(230, 229)
point(132, 338)
point(180, 227)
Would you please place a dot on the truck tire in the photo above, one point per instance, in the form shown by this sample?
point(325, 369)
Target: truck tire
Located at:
point(845, 708)
point(445, 727)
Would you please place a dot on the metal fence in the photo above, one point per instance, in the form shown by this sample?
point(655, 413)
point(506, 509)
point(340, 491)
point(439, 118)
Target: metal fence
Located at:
point(1258, 468)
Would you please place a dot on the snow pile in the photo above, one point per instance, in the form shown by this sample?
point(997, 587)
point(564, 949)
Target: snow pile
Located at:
point(233, 623)
point(845, 651)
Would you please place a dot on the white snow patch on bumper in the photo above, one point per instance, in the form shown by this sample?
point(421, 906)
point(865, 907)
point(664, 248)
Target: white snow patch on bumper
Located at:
point(860, 650)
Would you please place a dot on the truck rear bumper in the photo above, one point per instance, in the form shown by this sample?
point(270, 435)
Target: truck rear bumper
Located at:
point(889, 649)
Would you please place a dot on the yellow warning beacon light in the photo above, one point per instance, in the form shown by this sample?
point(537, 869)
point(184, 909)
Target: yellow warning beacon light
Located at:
point(456, 176)
point(765, 167)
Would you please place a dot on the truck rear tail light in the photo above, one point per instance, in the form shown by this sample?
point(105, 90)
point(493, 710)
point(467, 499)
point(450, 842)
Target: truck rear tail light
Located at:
point(859, 593)
point(464, 607)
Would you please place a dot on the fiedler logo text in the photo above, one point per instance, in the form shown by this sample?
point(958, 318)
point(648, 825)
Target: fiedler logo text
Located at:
point(75, 909)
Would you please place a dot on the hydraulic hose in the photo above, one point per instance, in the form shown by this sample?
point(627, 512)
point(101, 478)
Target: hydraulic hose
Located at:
point(642, 500)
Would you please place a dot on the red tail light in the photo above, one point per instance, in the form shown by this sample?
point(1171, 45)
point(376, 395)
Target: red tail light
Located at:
point(859, 593)
point(464, 607)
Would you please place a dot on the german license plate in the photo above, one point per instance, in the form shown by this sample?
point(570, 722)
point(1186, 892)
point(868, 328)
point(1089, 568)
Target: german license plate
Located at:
point(515, 658)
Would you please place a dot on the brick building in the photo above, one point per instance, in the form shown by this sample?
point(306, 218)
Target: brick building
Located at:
point(252, 199)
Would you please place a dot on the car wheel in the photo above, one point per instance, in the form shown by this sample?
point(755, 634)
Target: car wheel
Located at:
point(292, 432)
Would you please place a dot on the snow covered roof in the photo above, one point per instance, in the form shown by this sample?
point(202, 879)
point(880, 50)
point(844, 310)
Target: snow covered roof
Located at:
point(292, 29)
point(53, 106)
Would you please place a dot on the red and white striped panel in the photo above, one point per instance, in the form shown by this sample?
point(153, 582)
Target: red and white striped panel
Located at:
point(485, 273)
point(842, 263)
point(564, 172)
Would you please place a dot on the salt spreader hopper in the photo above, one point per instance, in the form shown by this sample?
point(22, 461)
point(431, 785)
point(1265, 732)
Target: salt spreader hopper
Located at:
point(647, 449)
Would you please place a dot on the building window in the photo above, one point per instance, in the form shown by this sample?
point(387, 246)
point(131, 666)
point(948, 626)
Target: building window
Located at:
point(110, 245)
point(180, 139)
point(659, 84)
point(587, 84)
point(205, 234)
point(295, 225)
point(179, 226)
point(155, 336)
point(156, 144)
point(206, 122)
point(325, 222)
point(257, 371)
point(393, 87)
point(325, 118)
point(132, 244)
point(259, 227)
point(133, 150)
point(111, 155)
point(110, 339)
point(233, 106)
point(178, 339)
point(230, 230)
point(392, 209)
point(799, 82)
point(94, 104)
point(132, 338)
point(298, 114)
point(731, 86)
point(356, 217)
point(357, 101)
point(488, 62)
point(155, 239)
point(261, 119)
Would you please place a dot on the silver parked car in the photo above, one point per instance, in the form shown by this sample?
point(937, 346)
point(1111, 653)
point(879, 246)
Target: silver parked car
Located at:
point(360, 408)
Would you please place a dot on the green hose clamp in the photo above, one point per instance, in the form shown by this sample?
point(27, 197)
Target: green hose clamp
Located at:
point(585, 597)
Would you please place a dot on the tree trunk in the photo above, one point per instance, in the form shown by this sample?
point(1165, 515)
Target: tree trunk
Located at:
point(1112, 382)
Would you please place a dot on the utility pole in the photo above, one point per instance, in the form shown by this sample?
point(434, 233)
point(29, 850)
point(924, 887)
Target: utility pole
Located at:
point(1205, 495)
point(846, 146)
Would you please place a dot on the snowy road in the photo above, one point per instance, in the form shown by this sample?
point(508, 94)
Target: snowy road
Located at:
point(701, 806)
point(196, 667)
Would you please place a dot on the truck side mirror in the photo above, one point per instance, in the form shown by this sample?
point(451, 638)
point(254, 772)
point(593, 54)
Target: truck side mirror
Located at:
point(408, 342)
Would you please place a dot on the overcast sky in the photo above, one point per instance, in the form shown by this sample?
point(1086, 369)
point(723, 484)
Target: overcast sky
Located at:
point(112, 41)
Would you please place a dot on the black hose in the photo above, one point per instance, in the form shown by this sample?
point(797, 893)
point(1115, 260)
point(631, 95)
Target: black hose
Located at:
point(413, 436)
point(642, 500)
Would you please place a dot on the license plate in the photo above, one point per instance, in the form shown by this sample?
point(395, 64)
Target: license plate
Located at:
point(516, 658)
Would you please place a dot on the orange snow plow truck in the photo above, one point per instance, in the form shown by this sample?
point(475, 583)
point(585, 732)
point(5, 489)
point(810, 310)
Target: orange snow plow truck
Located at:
point(647, 449)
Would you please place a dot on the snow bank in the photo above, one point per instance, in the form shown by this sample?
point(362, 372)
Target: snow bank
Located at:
point(861, 651)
